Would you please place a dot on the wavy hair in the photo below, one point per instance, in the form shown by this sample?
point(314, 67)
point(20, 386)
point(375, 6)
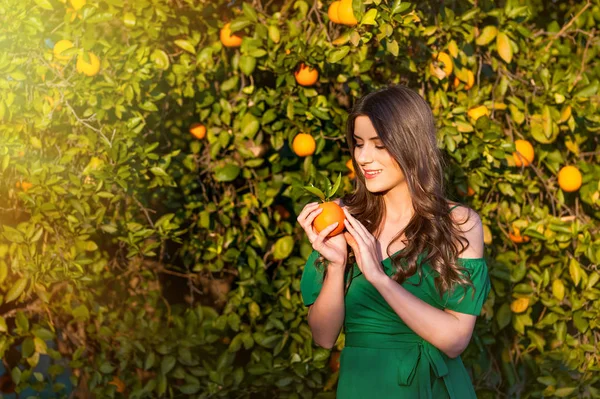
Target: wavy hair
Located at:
point(405, 124)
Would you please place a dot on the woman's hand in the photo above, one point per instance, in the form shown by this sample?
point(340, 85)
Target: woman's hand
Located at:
point(334, 249)
point(364, 246)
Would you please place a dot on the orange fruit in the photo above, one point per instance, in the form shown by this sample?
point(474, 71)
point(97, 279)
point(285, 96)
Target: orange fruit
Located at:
point(228, 39)
point(332, 12)
point(61, 46)
point(470, 80)
point(77, 4)
point(90, 68)
point(116, 381)
point(24, 186)
point(304, 144)
point(331, 213)
point(306, 76)
point(350, 166)
point(198, 130)
point(516, 236)
point(441, 66)
point(345, 13)
point(470, 192)
point(334, 361)
point(569, 179)
point(524, 154)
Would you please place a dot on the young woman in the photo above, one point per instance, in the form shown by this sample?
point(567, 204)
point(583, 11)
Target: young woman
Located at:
point(409, 291)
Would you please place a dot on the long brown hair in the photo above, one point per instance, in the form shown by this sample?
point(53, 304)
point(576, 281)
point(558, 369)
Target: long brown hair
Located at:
point(405, 124)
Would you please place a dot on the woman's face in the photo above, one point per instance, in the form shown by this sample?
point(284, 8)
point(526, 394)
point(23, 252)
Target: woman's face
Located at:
point(371, 155)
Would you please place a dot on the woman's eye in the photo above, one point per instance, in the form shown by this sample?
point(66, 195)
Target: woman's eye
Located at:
point(360, 146)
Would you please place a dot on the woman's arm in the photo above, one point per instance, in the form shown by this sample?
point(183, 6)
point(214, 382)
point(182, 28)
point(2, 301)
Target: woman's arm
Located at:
point(447, 330)
point(326, 315)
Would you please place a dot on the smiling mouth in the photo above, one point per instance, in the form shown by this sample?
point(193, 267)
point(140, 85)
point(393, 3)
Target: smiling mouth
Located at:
point(374, 173)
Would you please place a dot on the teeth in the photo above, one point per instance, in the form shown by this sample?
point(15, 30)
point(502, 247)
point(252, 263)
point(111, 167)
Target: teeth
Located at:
point(373, 173)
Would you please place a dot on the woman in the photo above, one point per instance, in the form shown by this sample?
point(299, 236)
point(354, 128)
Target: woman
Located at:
point(414, 283)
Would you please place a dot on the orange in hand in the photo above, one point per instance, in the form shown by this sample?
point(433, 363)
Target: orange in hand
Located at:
point(331, 213)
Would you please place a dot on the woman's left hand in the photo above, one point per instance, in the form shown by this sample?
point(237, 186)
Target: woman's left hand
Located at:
point(364, 246)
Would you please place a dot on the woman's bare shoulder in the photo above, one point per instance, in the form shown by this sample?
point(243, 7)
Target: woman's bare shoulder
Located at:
point(471, 227)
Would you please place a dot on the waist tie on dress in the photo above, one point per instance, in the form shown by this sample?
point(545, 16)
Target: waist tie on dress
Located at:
point(413, 354)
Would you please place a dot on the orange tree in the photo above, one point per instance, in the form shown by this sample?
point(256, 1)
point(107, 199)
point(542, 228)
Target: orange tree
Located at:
point(150, 183)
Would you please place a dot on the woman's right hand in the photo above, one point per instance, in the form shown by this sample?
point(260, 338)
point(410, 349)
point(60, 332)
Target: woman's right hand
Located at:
point(334, 249)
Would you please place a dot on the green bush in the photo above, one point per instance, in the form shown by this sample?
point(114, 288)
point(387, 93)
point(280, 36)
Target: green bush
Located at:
point(171, 264)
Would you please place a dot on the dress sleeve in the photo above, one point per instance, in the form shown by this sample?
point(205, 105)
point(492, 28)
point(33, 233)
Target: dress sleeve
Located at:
point(311, 281)
point(470, 299)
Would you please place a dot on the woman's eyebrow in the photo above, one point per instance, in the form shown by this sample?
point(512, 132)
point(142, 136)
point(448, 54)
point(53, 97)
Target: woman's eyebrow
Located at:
point(372, 138)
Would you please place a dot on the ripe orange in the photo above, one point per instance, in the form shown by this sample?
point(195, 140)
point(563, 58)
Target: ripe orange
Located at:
point(24, 186)
point(331, 213)
point(569, 179)
point(332, 12)
point(350, 166)
point(470, 192)
point(304, 144)
point(306, 76)
point(77, 4)
point(228, 39)
point(90, 68)
point(526, 152)
point(346, 14)
point(516, 236)
point(441, 66)
point(116, 381)
point(61, 46)
point(470, 80)
point(198, 130)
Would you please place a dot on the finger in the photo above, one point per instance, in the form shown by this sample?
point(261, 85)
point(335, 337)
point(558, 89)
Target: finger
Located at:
point(358, 235)
point(323, 234)
point(357, 224)
point(307, 223)
point(308, 208)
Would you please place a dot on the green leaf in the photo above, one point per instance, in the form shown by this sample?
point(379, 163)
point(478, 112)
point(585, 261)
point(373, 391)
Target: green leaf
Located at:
point(487, 35)
point(250, 125)
point(160, 59)
point(81, 312)
point(369, 17)
point(18, 75)
point(12, 234)
point(249, 12)
point(392, 47)
point(399, 7)
point(564, 392)
point(158, 171)
point(149, 362)
point(45, 4)
point(247, 64)
point(227, 173)
point(16, 290)
point(185, 45)
point(336, 185)
point(167, 364)
point(283, 248)
point(337, 54)
point(315, 191)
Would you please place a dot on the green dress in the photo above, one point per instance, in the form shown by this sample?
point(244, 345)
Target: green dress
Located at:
point(382, 356)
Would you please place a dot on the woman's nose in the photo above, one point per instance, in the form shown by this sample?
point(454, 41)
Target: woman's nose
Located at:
point(364, 155)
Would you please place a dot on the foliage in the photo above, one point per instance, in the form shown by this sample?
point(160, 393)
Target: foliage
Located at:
point(173, 263)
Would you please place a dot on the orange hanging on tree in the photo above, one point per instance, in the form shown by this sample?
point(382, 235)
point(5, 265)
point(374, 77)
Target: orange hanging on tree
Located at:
point(306, 75)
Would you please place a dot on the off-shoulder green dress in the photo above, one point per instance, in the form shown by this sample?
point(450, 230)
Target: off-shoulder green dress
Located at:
point(383, 358)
